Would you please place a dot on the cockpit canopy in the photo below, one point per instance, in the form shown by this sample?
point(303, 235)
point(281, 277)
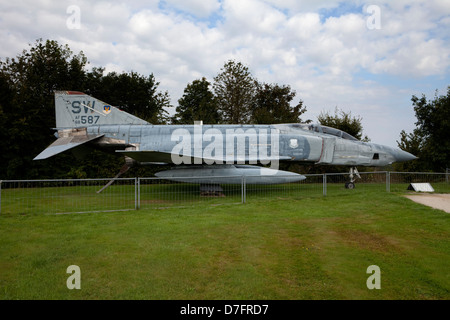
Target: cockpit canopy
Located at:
point(326, 130)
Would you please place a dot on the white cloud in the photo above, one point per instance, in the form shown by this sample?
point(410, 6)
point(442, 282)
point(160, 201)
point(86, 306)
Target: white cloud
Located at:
point(198, 8)
point(251, 16)
point(303, 5)
point(303, 27)
point(323, 57)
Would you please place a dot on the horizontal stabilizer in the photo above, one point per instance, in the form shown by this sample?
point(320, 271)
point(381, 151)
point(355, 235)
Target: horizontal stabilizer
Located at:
point(64, 144)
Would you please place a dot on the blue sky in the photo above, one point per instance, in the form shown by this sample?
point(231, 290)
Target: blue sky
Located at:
point(324, 49)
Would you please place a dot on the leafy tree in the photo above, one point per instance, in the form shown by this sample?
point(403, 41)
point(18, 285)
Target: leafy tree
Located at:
point(343, 121)
point(197, 103)
point(412, 143)
point(6, 96)
point(429, 141)
point(272, 104)
point(27, 111)
point(234, 88)
point(132, 92)
point(29, 81)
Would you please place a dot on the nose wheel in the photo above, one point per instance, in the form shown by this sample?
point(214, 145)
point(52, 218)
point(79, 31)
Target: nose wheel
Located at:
point(353, 174)
point(349, 185)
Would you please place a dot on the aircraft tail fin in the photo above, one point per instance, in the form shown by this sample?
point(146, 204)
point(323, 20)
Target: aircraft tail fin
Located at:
point(77, 110)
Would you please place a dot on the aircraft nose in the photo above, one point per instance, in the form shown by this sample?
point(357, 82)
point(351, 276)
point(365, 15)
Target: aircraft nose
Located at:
point(401, 155)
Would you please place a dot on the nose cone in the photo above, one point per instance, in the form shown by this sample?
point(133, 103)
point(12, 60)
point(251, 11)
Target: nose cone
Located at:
point(402, 156)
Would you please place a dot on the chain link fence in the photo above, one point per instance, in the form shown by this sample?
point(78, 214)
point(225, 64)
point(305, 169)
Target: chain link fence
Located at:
point(160, 193)
point(399, 181)
point(66, 196)
point(82, 195)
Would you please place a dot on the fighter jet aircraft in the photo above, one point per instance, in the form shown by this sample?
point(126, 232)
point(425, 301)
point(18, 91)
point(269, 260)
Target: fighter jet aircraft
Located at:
point(210, 153)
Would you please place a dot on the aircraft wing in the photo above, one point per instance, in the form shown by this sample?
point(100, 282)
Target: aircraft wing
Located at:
point(64, 144)
point(167, 157)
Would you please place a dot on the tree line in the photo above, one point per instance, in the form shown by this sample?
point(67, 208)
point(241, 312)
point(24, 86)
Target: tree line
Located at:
point(27, 109)
point(235, 96)
point(430, 140)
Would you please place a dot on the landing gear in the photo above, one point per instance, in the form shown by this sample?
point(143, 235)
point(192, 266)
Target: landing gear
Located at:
point(349, 185)
point(353, 172)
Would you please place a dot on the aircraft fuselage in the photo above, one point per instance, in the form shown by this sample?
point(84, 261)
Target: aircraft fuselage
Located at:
point(241, 144)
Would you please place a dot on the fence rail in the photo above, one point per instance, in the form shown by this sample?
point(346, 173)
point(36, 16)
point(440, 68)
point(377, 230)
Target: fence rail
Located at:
point(80, 195)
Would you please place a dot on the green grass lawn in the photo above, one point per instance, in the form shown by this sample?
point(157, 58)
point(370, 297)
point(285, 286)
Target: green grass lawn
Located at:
point(275, 246)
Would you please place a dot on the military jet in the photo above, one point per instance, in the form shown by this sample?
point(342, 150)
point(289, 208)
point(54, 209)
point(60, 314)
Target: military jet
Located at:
point(204, 154)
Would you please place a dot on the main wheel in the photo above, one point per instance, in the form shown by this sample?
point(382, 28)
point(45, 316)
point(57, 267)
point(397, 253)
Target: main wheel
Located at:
point(349, 185)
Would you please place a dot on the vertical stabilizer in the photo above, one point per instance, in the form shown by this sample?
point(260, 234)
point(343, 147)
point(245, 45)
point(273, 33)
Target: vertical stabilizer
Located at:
point(76, 110)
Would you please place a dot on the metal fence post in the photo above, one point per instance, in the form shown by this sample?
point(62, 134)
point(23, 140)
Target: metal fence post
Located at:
point(138, 193)
point(324, 184)
point(135, 193)
point(388, 181)
point(243, 188)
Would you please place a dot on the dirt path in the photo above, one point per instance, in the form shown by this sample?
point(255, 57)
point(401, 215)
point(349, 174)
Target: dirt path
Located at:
point(437, 201)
